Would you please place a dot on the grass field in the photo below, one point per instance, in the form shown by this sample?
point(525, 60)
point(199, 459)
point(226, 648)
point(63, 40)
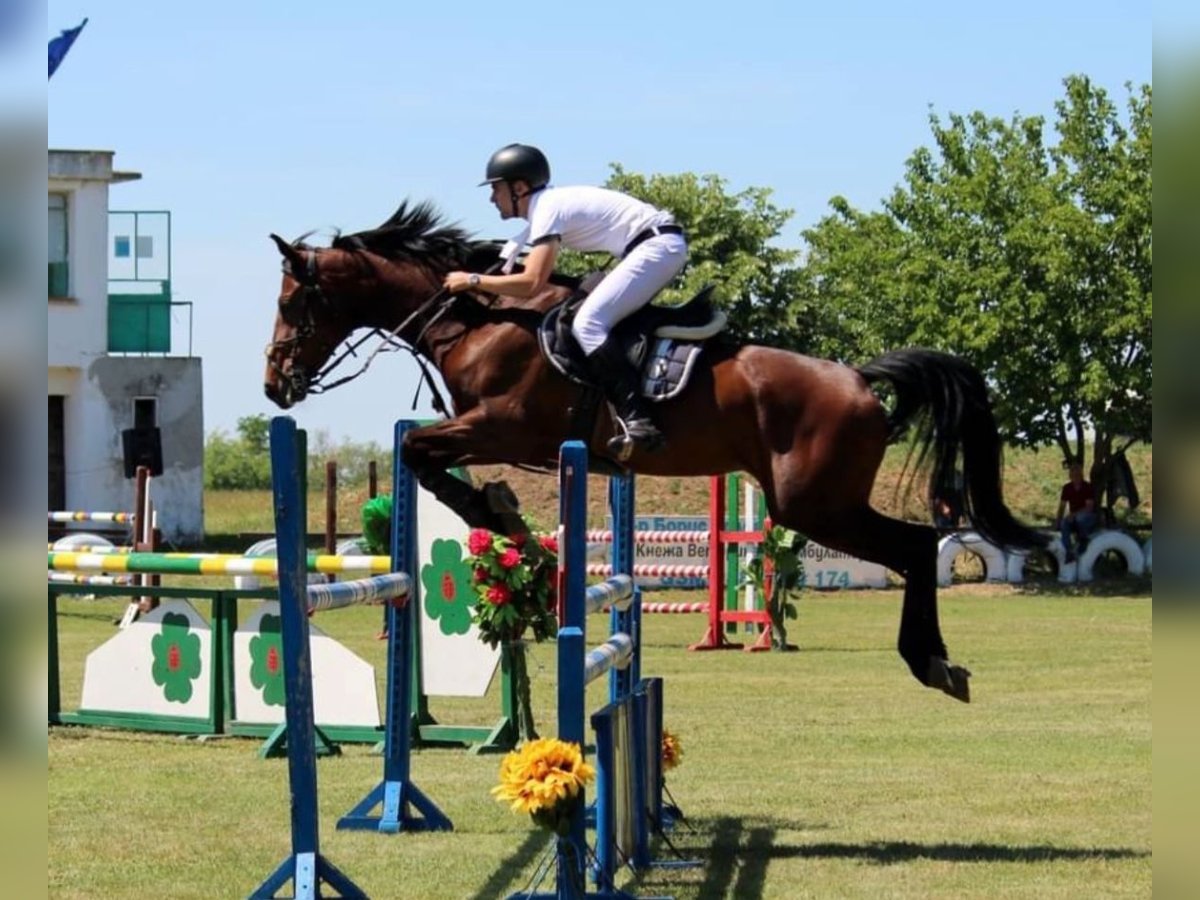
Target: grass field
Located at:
point(825, 773)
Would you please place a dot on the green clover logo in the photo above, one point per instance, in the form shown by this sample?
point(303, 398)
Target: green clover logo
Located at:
point(266, 660)
point(176, 654)
point(447, 582)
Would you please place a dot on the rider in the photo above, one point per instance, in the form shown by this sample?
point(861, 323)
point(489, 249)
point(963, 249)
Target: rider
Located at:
point(649, 246)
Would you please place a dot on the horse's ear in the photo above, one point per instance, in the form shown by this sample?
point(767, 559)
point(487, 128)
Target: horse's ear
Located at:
point(285, 248)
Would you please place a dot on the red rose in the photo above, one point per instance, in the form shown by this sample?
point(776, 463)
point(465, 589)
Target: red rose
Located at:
point(510, 558)
point(518, 540)
point(481, 574)
point(479, 541)
point(498, 594)
point(549, 543)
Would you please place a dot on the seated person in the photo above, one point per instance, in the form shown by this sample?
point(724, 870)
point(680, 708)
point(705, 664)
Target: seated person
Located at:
point(1078, 501)
point(947, 502)
point(946, 514)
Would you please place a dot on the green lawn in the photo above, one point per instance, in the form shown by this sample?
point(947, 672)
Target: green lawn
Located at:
point(824, 773)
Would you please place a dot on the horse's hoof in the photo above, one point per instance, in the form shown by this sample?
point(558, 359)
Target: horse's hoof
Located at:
point(500, 497)
point(954, 680)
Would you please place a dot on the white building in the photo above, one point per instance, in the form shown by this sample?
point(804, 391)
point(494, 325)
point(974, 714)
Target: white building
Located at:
point(113, 362)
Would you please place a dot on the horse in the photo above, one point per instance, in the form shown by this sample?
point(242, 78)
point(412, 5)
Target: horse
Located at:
point(811, 432)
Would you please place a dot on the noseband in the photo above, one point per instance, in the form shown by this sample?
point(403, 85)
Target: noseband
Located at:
point(297, 311)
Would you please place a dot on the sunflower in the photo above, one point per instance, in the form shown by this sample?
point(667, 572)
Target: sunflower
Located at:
point(672, 750)
point(543, 778)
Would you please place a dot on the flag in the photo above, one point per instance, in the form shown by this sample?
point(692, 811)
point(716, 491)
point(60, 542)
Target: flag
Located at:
point(61, 44)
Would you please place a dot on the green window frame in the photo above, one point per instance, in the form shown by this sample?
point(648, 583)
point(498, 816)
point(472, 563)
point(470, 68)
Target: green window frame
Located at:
point(58, 277)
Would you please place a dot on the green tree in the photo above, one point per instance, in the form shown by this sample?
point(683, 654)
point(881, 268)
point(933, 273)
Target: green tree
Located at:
point(1032, 260)
point(242, 463)
point(732, 243)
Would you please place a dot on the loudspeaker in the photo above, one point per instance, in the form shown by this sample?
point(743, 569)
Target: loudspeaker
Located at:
point(142, 447)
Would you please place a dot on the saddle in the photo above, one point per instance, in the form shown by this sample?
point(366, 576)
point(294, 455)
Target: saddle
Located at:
point(662, 343)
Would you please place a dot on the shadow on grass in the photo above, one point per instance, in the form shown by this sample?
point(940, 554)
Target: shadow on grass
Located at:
point(739, 853)
point(505, 879)
point(1124, 586)
point(94, 616)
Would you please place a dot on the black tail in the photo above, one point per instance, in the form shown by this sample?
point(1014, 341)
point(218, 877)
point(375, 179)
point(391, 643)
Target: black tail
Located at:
point(952, 394)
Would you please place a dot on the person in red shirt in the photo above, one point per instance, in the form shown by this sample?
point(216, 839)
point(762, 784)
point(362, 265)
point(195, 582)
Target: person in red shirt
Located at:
point(1078, 502)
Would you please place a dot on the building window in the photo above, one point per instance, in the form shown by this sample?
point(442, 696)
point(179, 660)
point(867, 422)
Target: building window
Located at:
point(145, 412)
point(59, 275)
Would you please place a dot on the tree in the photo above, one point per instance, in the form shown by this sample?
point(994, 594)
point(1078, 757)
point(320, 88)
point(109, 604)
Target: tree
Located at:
point(731, 243)
point(1033, 261)
point(241, 463)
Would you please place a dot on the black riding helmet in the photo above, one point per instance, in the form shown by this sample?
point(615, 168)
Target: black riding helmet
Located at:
point(518, 162)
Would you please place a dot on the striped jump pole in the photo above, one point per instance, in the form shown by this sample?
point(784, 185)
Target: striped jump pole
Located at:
point(654, 570)
point(112, 518)
point(110, 563)
point(651, 537)
point(75, 578)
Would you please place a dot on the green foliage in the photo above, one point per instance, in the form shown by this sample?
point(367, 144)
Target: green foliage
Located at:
point(243, 463)
point(731, 243)
point(1032, 260)
point(781, 549)
point(353, 460)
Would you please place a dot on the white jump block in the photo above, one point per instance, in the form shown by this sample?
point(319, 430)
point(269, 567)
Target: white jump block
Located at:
point(344, 690)
point(454, 661)
point(158, 665)
point(994, 562)
point(1099, 543)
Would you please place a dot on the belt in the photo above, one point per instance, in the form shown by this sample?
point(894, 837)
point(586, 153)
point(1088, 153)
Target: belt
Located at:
point(652, 231)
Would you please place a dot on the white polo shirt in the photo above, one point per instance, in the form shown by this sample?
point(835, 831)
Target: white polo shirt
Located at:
point(587, 219)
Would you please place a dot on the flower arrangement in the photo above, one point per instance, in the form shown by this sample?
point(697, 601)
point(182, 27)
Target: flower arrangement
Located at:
point(672, 750)
point(516, 579)
point(545, 778)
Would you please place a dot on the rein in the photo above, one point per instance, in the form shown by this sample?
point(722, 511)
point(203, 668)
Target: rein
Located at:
point(390, 341)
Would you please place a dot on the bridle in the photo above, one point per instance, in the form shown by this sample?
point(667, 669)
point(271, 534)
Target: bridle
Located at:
point(297, 311)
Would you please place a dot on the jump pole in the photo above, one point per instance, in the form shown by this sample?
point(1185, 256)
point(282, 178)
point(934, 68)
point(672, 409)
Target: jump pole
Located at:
point(306, 868)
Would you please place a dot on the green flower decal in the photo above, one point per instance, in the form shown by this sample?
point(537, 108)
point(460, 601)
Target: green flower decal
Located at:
point(266, 660)
point(176, 653)
point(447, 582)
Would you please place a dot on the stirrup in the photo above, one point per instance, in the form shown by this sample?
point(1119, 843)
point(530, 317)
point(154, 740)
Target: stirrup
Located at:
point(636, 434)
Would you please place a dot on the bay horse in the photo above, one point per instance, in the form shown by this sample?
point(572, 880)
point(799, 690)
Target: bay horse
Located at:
point(811, 432)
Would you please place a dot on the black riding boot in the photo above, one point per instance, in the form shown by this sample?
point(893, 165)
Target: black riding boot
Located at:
point(613, 374)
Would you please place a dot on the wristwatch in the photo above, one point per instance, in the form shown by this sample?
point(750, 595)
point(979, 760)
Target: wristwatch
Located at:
point(473, 279)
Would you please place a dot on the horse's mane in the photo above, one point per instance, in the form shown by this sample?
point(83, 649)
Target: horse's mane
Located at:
point(415, 234)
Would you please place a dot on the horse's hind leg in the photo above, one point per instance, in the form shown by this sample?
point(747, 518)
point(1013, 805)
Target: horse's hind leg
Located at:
point(910, 551)
point(429, 452)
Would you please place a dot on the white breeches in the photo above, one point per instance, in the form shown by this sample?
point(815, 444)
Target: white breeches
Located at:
point(631, 284)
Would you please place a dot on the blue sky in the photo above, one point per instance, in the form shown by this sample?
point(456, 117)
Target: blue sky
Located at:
point(252, 117)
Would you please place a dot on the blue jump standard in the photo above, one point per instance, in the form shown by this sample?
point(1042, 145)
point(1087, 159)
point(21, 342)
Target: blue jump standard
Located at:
point(306, 868)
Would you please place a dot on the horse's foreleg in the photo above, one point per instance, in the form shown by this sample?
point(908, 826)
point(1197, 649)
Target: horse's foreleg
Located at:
point(431, 451)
